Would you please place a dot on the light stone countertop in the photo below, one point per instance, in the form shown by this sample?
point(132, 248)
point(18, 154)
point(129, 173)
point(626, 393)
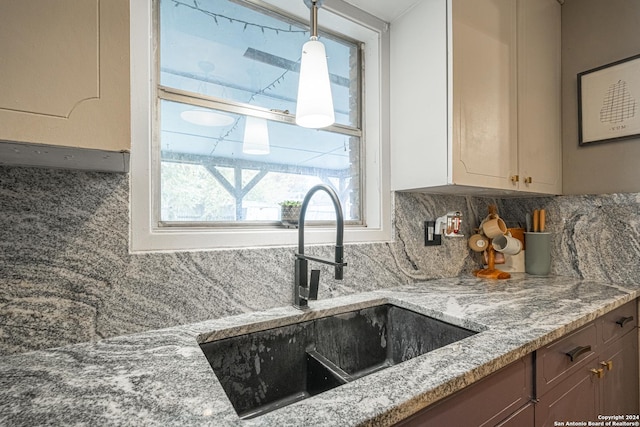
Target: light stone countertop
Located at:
point(162, 377)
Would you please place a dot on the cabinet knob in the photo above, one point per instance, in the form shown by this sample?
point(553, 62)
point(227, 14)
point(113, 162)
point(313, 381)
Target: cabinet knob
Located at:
point(515, 178)
point(597, 372)
point(608, 364)
point(528, 180)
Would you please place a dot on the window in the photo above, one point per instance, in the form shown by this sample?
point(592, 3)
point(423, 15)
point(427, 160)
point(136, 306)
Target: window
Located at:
point(215, 147)
point(236, 161)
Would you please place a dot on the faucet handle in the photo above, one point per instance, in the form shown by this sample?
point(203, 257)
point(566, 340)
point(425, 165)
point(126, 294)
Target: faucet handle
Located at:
point(314, 284)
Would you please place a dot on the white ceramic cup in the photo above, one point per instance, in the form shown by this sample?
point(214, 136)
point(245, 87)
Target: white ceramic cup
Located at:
point(507, 245)
point(494, 227)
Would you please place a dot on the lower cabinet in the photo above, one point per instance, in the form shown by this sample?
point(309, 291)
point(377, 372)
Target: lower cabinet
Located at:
point(619, 386)
point(589, 372)
point(522, 417)
point(503, 398)
point(575, 399)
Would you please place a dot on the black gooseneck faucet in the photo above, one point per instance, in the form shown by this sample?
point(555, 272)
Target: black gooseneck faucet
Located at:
point(303, 290)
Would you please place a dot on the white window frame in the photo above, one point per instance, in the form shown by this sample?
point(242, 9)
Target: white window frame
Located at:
point(145, 235)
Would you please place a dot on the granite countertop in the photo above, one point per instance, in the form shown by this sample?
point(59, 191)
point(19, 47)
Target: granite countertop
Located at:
point(162, 378)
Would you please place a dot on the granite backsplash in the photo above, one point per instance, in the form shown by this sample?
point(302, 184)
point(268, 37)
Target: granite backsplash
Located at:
point(66, 274)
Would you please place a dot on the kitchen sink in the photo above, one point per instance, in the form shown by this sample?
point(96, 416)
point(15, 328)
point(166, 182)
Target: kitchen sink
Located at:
point(265, 370)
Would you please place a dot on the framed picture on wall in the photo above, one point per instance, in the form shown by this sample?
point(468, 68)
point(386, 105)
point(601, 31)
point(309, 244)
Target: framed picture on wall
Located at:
point(609, 102)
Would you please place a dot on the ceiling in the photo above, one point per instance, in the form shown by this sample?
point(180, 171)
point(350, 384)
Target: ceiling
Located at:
point(387, 10)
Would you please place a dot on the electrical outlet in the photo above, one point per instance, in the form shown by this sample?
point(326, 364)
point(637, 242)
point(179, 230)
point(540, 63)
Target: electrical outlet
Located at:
point(430, 236)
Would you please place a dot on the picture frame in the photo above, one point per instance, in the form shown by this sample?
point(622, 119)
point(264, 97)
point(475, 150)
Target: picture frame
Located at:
point(609, 102)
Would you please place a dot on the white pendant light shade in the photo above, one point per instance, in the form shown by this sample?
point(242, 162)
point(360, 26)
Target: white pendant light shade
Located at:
point(256, 136)
point(205, 117)
point(315, 103)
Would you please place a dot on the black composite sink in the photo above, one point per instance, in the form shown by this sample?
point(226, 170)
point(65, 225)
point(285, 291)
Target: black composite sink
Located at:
point(265, 370)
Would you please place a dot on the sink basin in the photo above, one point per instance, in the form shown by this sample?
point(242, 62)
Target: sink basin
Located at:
point(265, 370)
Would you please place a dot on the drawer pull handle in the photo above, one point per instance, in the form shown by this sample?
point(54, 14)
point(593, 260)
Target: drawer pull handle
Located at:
point(578, 351)
point(624, 321)
point(598, 372)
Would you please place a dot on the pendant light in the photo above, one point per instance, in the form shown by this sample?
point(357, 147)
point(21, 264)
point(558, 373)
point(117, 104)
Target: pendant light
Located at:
point(205, 116)
point(256, 136)
point(314, 103)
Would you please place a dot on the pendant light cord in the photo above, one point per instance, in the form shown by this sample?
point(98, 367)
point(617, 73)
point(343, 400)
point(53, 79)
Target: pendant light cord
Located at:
point(313, 20)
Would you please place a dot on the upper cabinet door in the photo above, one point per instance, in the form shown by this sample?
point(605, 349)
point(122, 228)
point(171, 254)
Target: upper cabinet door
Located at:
point(484, 114)
point(64, 74)
point(484, 93)
point(539, 96)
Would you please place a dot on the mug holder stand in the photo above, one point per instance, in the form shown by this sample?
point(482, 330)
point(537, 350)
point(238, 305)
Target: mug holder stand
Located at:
point(491, 272)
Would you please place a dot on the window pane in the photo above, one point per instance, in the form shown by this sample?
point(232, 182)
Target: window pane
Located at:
point(234, 51)
point(190, 193)
point(248, 187)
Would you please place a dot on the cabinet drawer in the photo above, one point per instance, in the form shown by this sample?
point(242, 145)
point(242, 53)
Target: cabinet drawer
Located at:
point(619, 321)
point(563, 357)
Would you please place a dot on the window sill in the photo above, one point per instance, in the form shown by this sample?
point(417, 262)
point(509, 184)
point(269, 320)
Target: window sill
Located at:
point(177, 239)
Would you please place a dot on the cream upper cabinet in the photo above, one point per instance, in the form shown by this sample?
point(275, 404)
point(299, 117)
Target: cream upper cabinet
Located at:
point(484, 93)
point(539, 96)
point(475, 97)
point(64, 78)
